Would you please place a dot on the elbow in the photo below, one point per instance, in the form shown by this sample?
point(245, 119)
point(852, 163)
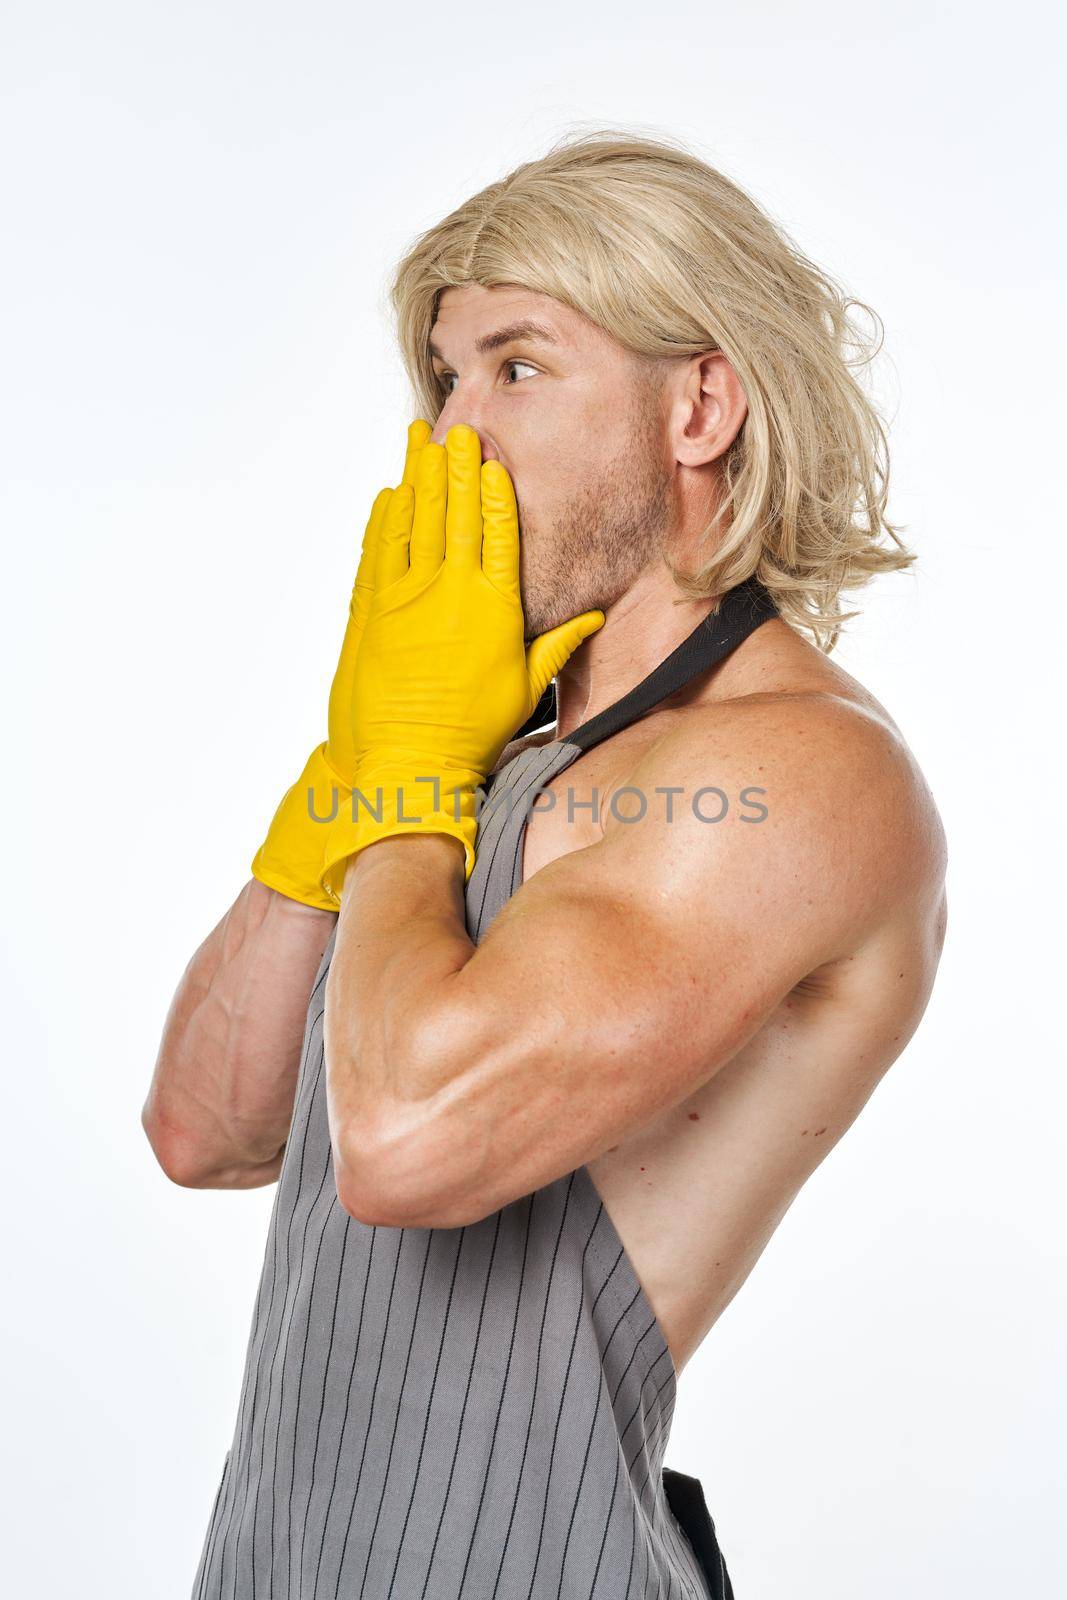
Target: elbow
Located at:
point(371, 1189)
point(352, 1167)
point(175, 1154)
point(359, 1197)
point(418, 1185)
point(408, 1163)
point(382, 1175)
point(406, 1198)
point(182, 1157)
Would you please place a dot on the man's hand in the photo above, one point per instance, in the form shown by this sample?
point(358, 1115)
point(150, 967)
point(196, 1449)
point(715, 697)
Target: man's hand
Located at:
point(442, 677)
point(290, 857)
point(341, 741)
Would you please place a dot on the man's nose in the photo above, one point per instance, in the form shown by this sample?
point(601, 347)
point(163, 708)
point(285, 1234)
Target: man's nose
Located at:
point(464, 411)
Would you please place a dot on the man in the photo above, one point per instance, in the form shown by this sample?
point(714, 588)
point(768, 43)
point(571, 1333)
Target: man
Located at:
point(589, 999)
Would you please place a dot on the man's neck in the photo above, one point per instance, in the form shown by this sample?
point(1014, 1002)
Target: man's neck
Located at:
point(640, 630)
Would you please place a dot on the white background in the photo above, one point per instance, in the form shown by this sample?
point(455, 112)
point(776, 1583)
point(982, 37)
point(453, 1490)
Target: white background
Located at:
point(201, 395)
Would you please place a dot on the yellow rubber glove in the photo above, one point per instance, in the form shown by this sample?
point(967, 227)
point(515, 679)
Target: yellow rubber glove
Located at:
point(290, 858)
point(443, 677)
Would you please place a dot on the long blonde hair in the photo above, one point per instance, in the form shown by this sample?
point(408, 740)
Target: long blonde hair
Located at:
point(670, 257)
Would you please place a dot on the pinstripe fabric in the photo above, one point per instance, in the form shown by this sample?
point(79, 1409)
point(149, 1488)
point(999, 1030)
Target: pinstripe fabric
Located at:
point(454, 1413)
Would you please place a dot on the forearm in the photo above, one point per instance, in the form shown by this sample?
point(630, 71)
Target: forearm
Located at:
point(220, 1104)
point(401, 941)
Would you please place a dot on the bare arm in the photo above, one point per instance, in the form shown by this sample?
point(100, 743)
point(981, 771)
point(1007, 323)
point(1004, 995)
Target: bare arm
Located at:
point(621, 976)
point(221, 1100)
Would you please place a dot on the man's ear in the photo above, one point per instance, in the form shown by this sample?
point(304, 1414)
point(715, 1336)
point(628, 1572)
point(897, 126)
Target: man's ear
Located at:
point(708, 410)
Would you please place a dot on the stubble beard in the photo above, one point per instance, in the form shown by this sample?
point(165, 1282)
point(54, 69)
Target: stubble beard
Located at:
point(612, 528)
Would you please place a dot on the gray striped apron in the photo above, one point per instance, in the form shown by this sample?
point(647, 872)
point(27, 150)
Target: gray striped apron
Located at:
point(474, 1413)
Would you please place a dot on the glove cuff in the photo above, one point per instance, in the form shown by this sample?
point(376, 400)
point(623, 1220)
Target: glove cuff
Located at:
point(387, 800)
point(290, 859)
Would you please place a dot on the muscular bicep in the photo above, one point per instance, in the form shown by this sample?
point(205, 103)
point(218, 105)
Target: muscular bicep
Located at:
point(622, 976)
point(664, 943)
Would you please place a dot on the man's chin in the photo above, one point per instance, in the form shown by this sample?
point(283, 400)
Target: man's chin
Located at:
point(539, 622)
point(542, 619)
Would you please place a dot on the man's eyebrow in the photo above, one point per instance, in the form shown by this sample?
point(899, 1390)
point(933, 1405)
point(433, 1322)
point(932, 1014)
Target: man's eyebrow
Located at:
point(526, 329)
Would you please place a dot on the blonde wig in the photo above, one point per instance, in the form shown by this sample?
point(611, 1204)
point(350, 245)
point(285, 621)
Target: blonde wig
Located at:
point(670, 257)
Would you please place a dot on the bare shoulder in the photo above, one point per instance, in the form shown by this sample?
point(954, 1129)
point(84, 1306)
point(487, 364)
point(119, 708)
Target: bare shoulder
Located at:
point(789, 798)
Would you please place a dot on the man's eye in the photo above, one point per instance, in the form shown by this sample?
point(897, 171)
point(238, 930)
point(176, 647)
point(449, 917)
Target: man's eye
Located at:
point(446, 379)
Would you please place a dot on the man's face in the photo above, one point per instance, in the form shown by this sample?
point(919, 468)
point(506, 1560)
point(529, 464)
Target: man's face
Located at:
point(579, 425)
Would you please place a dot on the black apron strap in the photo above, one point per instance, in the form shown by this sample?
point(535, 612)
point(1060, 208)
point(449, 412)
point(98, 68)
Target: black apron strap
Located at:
point(685, 1496)
point(741, 611)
